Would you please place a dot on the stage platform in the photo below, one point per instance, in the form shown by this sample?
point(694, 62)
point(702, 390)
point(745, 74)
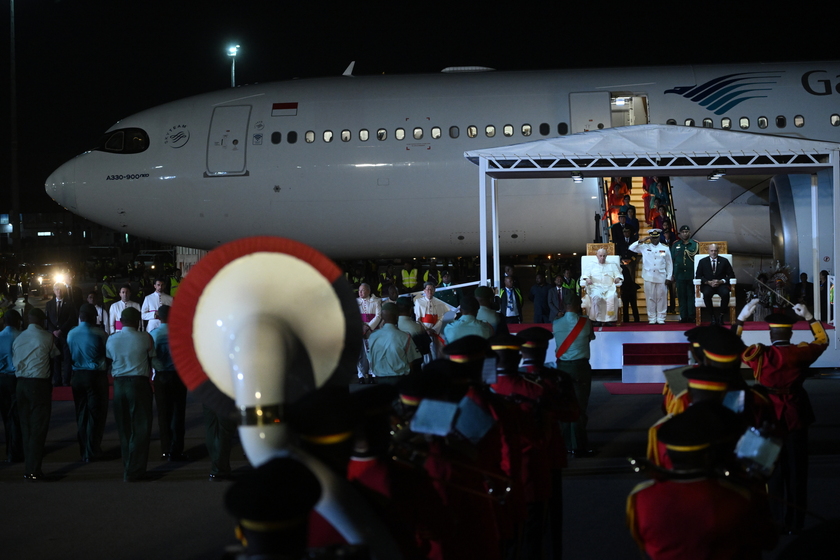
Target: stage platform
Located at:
point(607, 350)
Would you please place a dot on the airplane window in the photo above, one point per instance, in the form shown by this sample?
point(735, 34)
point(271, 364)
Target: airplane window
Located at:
point(726, 123)
point(744, 122)
point(381, 134)
point(490, 131)
point(526, 130)
point(328, 136)
point(689, 122)
point(115, 142)
point(436, 132)
point(562, 129)
point(671, 121)
point(345, 135)
point(835, 120)
point(508, 130)
point(418, 133)
point(472, 131)
point(763, 122)
point(454, 132)
point(276, 137)
point(707, 123)
point(125, 141)
point(291, 137)
point(545, 130)
point(781, 122)
point(309, 136)
point(135, 141)
point(364, 135)
point(399, 134)
point(798, 121)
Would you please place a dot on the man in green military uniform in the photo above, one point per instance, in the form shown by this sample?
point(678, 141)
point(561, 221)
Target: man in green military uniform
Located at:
point(682, 254)
point(453, 296)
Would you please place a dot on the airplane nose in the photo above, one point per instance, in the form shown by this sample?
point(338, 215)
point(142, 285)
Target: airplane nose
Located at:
point(61, 185)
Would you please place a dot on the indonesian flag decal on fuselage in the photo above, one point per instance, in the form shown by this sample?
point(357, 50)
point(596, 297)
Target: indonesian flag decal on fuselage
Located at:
point(284, 109)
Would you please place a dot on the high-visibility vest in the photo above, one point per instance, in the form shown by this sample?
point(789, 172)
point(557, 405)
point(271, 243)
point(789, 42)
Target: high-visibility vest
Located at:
point(436, 279)
point(173, 285)
point(409, 278)
point(109, 294)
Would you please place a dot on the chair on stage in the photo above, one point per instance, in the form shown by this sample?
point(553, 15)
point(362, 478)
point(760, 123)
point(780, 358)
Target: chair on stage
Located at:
point(589, 259)
point(699, 302)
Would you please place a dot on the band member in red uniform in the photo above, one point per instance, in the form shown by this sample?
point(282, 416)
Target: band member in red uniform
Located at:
point(782, 368)
point(529, 401)
point(694, 512)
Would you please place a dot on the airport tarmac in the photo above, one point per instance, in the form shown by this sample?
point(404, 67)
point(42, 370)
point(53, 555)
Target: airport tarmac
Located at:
point(86, 511)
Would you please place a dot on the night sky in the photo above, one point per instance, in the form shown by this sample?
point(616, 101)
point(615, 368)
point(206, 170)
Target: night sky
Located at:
point(82, 64)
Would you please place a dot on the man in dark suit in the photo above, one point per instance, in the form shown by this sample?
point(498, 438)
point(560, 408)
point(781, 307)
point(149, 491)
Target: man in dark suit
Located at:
point(61, 317)
point(803, 292)
point(629, 289)
point(510, 302)
point(617, 229)
point(557, 297)
point(623, 242)
point(622, 248)
point(714, 273)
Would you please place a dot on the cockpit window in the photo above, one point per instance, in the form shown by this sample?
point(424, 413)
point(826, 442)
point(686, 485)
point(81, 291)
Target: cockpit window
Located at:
point(125, 141)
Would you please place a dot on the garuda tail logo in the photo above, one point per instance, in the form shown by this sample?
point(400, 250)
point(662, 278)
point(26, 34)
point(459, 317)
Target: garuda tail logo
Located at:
point(721, 94)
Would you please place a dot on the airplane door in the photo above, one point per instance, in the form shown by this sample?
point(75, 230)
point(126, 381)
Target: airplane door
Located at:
point(589, 110)
point(227, 141)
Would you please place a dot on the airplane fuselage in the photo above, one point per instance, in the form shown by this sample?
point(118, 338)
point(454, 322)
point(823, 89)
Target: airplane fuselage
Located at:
point(374, 166)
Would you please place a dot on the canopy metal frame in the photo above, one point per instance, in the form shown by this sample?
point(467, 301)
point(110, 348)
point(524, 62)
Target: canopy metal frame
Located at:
point(742, 154)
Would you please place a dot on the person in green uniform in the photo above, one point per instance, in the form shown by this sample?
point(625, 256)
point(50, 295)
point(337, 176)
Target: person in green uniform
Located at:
point(467, 323)
point(572, 336)
point(130, 350)
point(682, 254)
point(392, 351)
point(452, 297)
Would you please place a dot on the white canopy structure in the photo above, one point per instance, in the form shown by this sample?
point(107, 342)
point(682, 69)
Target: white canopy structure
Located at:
point(651, 150)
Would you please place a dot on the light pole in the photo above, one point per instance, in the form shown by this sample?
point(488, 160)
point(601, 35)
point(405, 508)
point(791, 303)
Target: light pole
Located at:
point(14, 218)
point(232, 54)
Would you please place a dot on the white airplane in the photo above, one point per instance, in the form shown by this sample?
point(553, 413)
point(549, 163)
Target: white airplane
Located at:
point(373, 166)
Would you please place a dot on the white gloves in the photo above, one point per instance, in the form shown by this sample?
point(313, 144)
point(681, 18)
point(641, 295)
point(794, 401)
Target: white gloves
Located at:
point(748, 310)
point(803, 312)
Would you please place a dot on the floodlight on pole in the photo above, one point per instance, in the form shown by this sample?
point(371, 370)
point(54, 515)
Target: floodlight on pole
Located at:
point(232, 54)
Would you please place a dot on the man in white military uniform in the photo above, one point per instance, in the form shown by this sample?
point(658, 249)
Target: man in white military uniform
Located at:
point(601, 279)
point(657, 267)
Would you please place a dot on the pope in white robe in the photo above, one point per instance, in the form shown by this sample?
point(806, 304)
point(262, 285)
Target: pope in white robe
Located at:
point(601, 280)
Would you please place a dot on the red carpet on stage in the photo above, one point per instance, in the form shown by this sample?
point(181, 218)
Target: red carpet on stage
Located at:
point(634, 388)
point(644, 326)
